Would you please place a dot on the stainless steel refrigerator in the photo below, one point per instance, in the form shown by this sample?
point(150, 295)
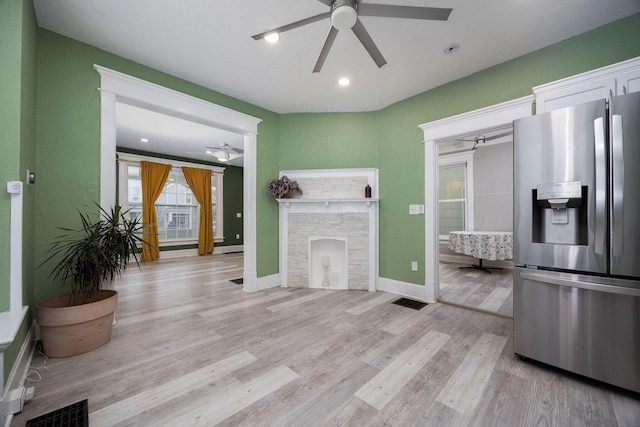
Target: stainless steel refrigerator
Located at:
point(577, 239)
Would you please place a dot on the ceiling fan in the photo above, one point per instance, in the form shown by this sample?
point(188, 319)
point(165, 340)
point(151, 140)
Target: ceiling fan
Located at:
point(344, 16)
point(462, 145)
point(224, 153)
point(484, 139)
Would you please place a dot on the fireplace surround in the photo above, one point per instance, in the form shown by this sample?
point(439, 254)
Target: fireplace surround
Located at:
point(329, 234)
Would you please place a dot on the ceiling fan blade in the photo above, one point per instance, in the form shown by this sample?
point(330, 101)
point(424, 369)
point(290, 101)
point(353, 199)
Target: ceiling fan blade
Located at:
point(333, 32)
point(226, 147)
point(366, 40)
point(410, 12)
point(327, 2)
point(293, 25)
point(487, 138)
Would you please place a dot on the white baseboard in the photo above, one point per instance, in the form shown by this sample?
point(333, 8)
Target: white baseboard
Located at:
point(181, 253)
point(18, 374)
point(194, 252)
point(228, 249)
point(463, 259)
point(266, 282)
point(409, 290)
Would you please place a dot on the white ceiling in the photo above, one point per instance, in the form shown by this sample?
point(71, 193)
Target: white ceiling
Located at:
point(209, 42)
point(171, 135)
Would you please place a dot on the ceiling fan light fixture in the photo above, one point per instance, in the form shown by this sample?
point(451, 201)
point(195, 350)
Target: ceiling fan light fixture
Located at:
point(272, 37)
point(344, 15)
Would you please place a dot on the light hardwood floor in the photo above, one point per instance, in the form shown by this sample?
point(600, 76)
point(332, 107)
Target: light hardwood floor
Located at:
point(191, 348)
point(486, 291)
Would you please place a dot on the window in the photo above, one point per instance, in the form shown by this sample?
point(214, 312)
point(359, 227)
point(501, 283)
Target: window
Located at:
point(455, 193)
point(178, 211)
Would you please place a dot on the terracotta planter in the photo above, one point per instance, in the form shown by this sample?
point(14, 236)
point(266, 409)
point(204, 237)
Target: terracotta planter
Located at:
point(70, 330)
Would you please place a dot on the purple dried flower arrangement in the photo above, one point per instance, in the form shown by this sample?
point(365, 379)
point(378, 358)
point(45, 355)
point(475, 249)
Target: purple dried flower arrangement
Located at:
point(283, 187)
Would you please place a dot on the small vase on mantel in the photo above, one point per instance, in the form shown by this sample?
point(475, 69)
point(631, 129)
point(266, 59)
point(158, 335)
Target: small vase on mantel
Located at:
point(367, 191)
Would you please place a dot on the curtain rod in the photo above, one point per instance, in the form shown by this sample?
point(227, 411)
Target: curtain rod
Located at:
point(122, 159)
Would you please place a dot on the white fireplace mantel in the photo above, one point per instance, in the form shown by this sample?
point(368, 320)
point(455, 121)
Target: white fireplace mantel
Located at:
point(335, 203)
point(345, 217)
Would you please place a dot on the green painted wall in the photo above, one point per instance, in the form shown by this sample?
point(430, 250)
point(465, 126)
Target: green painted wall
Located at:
point(328, 140)
point(68, 133)
point(28, 147)
point(232, 204)
point(17, 139)
point(393, 136)
point(10, 69)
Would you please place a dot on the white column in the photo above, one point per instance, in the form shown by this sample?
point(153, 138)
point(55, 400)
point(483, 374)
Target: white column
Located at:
point(107, 149)
point(431, 288)
point(249, 171)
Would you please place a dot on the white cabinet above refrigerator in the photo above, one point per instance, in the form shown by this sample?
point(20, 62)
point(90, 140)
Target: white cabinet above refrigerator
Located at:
point(602, 83)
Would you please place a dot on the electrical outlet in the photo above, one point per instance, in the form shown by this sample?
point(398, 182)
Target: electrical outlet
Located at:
point(237, 236)
point(414, 265)
point(238, 214)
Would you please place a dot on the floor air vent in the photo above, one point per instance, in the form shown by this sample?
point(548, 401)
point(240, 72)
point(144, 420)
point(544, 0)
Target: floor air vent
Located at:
point(239, 281)
point(409, 303)
point(74, 415)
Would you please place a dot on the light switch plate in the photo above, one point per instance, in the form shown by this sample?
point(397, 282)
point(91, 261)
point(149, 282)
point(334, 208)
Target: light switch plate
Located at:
point(416, 209)
point(414, 265)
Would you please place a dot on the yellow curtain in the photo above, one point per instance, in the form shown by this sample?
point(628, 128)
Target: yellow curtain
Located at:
point(199, 180)
point(153, 176)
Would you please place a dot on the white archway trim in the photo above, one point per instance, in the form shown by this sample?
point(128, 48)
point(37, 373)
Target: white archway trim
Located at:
point(495, 116)
point(118, 87)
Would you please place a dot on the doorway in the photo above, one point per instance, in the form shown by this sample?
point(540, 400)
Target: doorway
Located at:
point(476, 204)
point(116, 87)
point(494, 118)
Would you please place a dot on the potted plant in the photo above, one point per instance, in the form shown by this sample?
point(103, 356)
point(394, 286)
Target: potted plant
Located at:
point(283, 187)
point(87, 259)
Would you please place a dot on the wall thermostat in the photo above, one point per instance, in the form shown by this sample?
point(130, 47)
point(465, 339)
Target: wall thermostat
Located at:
point(14, 187)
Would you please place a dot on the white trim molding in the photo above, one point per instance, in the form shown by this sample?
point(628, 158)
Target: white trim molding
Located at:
point(15, 394)
point(409, 290)
point(492, 117)
point(118, 87)
point(601, 83)
point(266, 282)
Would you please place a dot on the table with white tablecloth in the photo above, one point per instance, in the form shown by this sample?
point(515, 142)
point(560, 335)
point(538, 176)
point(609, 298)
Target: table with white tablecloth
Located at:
point(489, 245)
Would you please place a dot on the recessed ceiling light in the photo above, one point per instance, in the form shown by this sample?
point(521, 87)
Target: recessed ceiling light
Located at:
point(272, 37)
point(144, 140)
point(344, 82)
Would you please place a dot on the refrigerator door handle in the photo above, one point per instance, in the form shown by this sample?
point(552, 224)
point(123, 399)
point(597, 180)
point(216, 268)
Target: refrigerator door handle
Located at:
point(599, 287)
point(617, 154)
point(601, 186)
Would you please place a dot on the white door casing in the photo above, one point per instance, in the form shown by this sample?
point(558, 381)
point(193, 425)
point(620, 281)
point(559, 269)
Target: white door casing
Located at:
point(492, 117)
point(118, 87)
